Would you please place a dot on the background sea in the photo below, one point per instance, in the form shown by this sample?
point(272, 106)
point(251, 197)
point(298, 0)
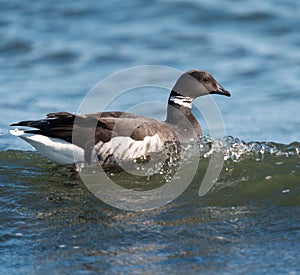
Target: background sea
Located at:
point(53, 52)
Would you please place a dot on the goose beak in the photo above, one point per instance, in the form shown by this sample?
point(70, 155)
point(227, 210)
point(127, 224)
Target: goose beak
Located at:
point(221, 91)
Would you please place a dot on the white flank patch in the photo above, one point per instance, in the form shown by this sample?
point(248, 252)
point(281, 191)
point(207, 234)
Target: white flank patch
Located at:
point(182, 100)
point(125, 148)
point(62, 152)
point(56, 149)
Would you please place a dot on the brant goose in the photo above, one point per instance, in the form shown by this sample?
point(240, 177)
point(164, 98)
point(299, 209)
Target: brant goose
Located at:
point(119, 136)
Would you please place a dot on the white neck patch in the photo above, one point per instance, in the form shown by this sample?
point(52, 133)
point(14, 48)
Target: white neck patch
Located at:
point(182, 100)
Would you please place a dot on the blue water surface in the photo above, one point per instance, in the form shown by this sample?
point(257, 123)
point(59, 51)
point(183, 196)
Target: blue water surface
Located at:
point(53, 52)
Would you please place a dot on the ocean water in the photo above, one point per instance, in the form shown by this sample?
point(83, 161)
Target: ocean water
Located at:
point(53, 53)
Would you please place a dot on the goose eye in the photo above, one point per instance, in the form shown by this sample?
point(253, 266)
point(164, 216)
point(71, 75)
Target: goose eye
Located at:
point(206, 79)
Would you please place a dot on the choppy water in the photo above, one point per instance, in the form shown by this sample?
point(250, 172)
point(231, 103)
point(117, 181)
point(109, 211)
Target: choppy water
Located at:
point(51, 54)
point(51, 223)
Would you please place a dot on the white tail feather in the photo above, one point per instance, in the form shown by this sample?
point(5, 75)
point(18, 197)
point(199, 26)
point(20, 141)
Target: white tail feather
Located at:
point(58, 150)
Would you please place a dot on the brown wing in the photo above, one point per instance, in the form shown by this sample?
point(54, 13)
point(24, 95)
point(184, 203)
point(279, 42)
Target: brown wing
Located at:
point(136, 127)
point(92, 128)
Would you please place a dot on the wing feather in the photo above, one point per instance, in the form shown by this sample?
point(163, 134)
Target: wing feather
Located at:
point(93, 128)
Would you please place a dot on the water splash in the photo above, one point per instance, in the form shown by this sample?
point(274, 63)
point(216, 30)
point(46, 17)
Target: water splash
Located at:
point(237, 150)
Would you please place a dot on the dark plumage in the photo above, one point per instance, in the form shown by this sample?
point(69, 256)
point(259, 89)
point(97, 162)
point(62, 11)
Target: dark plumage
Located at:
point(95, 131)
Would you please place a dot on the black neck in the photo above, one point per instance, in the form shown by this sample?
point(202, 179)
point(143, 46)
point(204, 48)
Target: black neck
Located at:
point(179, 111)
point(178, 105)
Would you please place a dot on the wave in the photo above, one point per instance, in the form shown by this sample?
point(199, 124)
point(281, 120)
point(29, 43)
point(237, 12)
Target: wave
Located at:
point(258, 172)
point(252, 172)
